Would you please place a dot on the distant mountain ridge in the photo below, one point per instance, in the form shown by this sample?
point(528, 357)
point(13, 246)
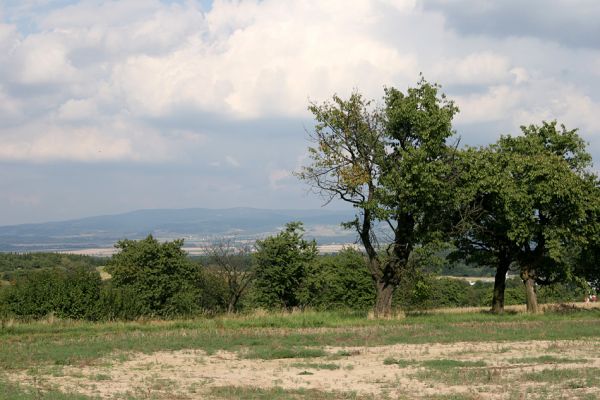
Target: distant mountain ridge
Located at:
point(193, 224)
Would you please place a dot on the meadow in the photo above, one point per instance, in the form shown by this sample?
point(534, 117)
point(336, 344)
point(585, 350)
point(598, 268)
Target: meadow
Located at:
point(308, 355)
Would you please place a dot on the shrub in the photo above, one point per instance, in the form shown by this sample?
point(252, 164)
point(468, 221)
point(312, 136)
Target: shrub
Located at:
point(67, 293)
point(281, 264)
point(338, 281)
point(159, 275)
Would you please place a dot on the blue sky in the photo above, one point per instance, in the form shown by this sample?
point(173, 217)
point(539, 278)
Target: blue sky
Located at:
point(111, 106)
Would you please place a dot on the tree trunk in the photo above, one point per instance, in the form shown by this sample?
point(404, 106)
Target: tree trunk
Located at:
point(528, 277)
point(233, 300)
point(383, 302)
point(499, 287)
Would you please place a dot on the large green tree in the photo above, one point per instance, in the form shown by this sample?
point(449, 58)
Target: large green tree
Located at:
point(393, 164)
point(531, 204)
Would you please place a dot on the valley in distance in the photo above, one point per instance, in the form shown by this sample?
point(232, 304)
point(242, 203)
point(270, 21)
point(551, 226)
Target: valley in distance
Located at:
point(199, 227)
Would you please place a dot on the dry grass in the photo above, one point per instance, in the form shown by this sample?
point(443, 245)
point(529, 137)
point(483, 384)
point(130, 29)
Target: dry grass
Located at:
point(520, 308)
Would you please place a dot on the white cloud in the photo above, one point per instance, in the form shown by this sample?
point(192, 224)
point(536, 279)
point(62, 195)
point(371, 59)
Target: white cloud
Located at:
point(495, 104)
point(9, 106)
point(101, 74)
point(276, 176)
point(269, 64)
point(77, 110)
point(481, 68)
point(232, 161)
point(107, 140)
point(42, 59)
point(567, 105)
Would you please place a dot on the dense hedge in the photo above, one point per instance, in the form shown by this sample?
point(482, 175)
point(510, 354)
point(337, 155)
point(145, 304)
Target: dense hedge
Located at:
point(67, 293)
point(152, 279)
point(14, 263)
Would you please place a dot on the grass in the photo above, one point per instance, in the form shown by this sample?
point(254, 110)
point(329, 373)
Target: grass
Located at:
point(399, 362)
point(453, 376)
point(270, 353)
point(587, 377)
point(307, 365)
point(272, 336)
point(234, 392)
point(546, 359)
point(50, 345)
point(445, 364)
point(10, 391)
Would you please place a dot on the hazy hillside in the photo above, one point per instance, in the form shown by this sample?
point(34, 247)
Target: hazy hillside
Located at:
point(194, 224)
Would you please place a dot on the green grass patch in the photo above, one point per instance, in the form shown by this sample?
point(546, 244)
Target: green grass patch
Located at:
point(101, 377)
point(572, 378)
point(271, 353)
point(458, 376)
point(546, 359)
point(399, 362)
point(329, 366)
point(10, 391)
point(444, 364)
point(251, 393)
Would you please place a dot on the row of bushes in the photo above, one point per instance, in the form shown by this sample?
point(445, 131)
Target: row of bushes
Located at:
point(154, 279)
point(79, 293)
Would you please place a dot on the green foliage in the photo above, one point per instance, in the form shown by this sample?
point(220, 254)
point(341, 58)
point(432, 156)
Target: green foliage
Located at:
point(338, 281)
point(528, 201)
point(562, 292)
point(66, 293)
point(392, 163)
point(159, 275)
point(11, 264)
point(122, 303)
point(281, 266)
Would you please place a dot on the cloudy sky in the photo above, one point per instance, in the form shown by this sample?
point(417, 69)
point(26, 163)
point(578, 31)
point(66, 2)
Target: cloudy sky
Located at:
point(111, 106)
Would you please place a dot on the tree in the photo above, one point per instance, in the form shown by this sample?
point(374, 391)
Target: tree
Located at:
point(159, 274)
point(281, 263)
point(234, 266)
point(481, 234)
point(393, 165)
point(532, 204)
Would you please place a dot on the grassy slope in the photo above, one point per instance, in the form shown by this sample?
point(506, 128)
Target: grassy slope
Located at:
point(42, 344)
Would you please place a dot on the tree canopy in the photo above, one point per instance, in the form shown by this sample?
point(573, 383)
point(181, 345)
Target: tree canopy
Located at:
point(281, 266)
point(529, 200)
point(159, 274)
point(393, 164)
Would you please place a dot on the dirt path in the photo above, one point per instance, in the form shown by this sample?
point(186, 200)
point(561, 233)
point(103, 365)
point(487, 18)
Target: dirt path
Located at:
point(491, 370)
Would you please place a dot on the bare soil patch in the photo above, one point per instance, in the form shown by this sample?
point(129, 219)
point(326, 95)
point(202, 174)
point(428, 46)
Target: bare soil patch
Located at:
point(489, 370)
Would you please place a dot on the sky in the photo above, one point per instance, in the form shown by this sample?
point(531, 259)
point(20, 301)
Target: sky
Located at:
point(113, 106)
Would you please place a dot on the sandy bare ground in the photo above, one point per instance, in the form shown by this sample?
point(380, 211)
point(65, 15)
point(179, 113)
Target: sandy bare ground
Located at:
point(190, 374)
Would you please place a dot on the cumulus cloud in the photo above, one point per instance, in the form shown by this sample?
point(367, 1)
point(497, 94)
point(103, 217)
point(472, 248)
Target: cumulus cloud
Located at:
point(269, 64)
point(139, 60)
point(572, 23)
point(191, 90)
point(108, 140)
point(481, 68)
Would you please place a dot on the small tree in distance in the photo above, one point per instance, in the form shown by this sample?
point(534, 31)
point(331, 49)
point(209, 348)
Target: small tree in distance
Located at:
point(234, 266)
point(281, 265)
